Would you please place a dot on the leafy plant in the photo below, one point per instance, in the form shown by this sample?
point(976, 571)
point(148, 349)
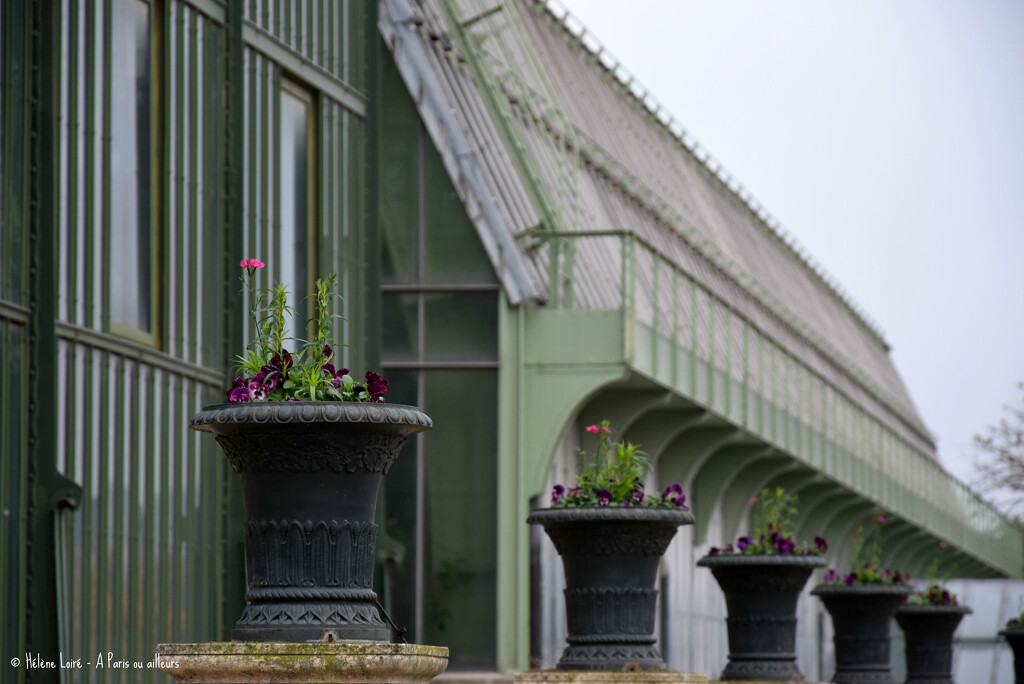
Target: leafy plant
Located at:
point(867, 563)
point(269, 372)
point(774, 518)
point(614, 478)
point(936, 594)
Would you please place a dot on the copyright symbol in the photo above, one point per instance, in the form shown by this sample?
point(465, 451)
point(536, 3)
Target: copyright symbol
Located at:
point(15, 662)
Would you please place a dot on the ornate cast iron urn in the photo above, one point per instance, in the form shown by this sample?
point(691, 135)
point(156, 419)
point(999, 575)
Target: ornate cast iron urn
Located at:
point(861, 616)
point(310, 473)
point(611, 558)
point(761, 593)
point(1015, 638)
point(929, 641)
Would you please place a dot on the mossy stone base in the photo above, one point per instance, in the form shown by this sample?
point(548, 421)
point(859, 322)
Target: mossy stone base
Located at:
point(608, 677)
point(262, 662)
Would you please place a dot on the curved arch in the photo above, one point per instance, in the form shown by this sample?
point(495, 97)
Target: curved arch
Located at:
point(916, 557)
point(550, 407)
point(813, 496)
point(748, 483)
point(658, 428)
point(823, 501)
point(623, 406)
point(897, 533)
point(684, 456)
point(844, 518)
point(796, 480)
point(714, 476)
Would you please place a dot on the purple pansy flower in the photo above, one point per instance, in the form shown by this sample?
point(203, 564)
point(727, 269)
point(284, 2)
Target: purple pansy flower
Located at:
point(556, 494)
point(377, 386)
point(604, 497)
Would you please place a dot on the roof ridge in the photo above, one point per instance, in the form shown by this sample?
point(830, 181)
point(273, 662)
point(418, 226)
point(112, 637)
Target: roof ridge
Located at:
point(641, 94)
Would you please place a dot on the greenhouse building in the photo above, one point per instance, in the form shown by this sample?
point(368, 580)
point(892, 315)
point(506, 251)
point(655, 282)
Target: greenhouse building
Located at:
point(526, 244)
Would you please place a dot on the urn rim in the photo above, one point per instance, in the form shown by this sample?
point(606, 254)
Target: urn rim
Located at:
point(210, 417)
point(933, 610)
point(830, 590)
point(772, 560)
point(554, 516)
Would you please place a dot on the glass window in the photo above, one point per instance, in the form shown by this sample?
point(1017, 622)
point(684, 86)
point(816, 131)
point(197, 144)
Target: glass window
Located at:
point(453, 252)
point(131, 228)
point(296, 200)
point(461, 326)
point(460, 515)
point(400, 327)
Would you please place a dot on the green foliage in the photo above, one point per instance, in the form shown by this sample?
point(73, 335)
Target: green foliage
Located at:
point(775, 512)
point(614, 477)
point(867, 562)
point(268, 371)
point(774, 521)
point(936, 594)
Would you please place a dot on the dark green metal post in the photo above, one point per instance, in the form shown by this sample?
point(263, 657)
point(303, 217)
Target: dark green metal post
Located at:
point(371, 226)
point(234, 227)
point(48, 489)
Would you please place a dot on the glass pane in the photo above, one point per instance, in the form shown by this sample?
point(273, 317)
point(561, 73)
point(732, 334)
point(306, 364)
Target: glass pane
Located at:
point(399, 193)
point(294, 236)
point(130, 243)
point(454, 253)
point(399, 327)
point(397, 504)
point(462, 326)
point(460, 596)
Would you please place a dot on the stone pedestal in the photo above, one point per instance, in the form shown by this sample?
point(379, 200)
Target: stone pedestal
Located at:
point(608, 677)
point(236, 662)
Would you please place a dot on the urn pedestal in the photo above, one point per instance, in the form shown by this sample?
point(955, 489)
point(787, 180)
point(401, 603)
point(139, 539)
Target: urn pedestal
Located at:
point(235, 662)
point(761, 594)
point(611, 557)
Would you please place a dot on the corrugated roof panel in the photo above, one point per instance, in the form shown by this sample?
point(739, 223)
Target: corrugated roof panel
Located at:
point(608, 163)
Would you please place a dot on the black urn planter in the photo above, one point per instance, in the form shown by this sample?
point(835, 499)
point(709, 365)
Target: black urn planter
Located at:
point(929, 641)
point(861, 619)
point(611, 557)
point(310, 473)
point(1015, 637)
point(761, 594)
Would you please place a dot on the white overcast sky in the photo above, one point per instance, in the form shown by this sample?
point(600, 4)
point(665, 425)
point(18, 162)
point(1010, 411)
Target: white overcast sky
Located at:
point(888, 137)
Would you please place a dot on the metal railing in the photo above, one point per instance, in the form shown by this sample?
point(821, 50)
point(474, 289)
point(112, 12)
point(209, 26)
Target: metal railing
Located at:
point(683, 334)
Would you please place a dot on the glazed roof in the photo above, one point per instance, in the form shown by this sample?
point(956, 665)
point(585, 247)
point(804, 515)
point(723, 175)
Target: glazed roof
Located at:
point(541, 128)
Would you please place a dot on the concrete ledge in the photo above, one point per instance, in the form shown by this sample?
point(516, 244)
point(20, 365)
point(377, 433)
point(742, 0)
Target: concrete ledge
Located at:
point(608, 677)
point(237, 662)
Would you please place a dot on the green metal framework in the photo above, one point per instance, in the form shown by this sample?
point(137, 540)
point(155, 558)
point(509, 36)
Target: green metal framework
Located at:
point(693, 343)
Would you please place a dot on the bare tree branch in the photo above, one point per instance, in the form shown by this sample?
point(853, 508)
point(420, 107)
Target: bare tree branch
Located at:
point(1001, 466)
